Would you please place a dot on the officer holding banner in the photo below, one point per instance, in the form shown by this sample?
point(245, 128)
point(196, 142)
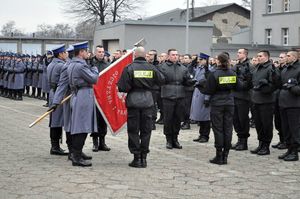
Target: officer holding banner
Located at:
point(137, 80)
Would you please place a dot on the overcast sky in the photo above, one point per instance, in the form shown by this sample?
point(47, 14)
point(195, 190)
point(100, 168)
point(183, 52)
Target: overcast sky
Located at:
point(29, 13)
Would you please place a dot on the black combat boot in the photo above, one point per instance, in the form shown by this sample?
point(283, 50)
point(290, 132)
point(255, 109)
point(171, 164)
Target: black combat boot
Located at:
point(169, 144)
point(19, 96)
point(285, 154)
point(79, 161)
point(95, 144)
point(185, 126)
point(264, 149)
point(102, 145)
point(86, 157)
point(218, 159)
point(144, 160)
point(257, 148)
point(243, 145)
point(175, 143)
point(225, 155)
point(282, 145)
point(236, 144)
point(293, 156)
point(136, 162)
point(55, 148)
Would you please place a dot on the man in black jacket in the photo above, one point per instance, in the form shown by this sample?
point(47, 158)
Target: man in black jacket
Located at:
point(289, 103)
point(137, 81)
point(99, 137)
point(242, 102)
point(173, 94)
point(263, 97)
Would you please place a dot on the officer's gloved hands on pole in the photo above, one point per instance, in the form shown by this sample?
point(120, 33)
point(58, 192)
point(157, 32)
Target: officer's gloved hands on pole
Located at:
point(200, 84)
point(290, 84)
point(53, 107)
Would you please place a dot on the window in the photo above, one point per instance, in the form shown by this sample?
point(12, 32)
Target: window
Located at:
point(268, 36)
point(286, 5)
point(285, 36)
point(269, 6)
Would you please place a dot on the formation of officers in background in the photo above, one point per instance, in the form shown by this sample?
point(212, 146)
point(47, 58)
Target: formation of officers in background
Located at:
point(215, 92)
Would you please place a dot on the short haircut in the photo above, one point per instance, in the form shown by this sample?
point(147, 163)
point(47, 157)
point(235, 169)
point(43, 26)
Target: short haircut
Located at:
point(226, 53)
point(76, 52)
point(245, 50)
point(188, 55)
point(265, 52)
point(172, 49)
point(99, 46)
point(55, 55)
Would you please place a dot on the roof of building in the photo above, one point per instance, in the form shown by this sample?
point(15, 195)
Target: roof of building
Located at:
point(153, 23)
point(179, 14)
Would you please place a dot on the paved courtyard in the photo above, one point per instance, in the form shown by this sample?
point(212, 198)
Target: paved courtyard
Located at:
point(28, 171)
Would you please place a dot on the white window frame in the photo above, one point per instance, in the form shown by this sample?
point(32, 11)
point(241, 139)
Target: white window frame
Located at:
point(269, 6)
point(268, 36)
point(285, 36)
point(286, 5)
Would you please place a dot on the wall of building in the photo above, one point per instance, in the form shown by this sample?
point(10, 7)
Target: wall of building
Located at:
point(276, 21)
point(163, 38)
point(242, 37)
point(159, 37)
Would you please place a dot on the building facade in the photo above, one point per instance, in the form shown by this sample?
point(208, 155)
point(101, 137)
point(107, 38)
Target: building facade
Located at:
point(275, 22)
point(160, 36)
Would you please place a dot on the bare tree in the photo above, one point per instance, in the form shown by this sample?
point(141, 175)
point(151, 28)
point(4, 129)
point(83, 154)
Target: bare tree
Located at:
point(10, 28)
point(85, 29)
point(246, 3)
point(101, 10)
point(56, 31)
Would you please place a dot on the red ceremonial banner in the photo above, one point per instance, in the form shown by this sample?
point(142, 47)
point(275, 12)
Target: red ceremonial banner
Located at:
point(109, 100)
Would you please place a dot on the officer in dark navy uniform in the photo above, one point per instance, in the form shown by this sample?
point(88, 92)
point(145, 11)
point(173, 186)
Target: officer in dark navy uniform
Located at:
point(99, 137)
point(173, 94)
point(289, 103)
point(264, 81)
point(137, 80)
point(220, 85)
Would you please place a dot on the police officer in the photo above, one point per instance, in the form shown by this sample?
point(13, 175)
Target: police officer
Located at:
point(56, 117)
point(289, 103)
point(219, 86)
point(10, 84)
point(242, 102)
point(83, 118)
point(63, 90)
point(137, 80)
point(19, 70)
point(99, 137)
point(277, 119)
point(173, 94)
point(200, 109)
point(264, 81)
point(191, 66)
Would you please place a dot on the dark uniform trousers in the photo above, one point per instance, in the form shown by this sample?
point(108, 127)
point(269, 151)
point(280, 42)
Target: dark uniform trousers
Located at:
point(241, 118)
point(160, 104)
point(188, 101)
point(204, 129)
point(222, 118)
point(101, 124)
point(277, 122)
point(139, 124)
point(154, 108)
point(173, 116)
point(263, 117)
point(78, 142)
point(290, 121)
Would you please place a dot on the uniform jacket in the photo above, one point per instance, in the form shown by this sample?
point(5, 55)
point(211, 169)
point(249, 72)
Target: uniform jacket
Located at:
point(265, 93)
point(290, 98)
point(176, 78)
point(81, 79)
point(53, 73)
point(137, 80)
point(19, 70)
